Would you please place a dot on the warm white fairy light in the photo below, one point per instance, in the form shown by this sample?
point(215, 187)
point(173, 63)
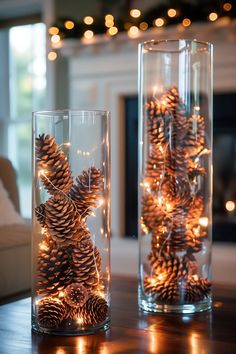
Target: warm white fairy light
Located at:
point(88, 20)
point(135, 13)
point(80, 320)
point(43, 246)
point(61, 294)
point(230, 205)
point(133, 32)
point(42, 172)
point(100, 202)
point(203, 221)
point(55, 38)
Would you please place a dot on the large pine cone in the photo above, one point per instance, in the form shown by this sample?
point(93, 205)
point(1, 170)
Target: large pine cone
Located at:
point(53, 268)
point(51, 312)
point(87, 264)
point(63, 221)
point(87, 191)
point(94, 311)
point(56, 173)
point(40, 214)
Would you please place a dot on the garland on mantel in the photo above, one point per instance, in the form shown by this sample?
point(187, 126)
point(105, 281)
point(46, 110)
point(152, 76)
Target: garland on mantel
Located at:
point(183, 13)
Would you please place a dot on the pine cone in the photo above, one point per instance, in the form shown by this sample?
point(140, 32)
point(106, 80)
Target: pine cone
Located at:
point(197, 290)
point(87, 264)
point(87, 191)
point(158, 124)
point(62, 220)
point(195, 138)
point(179, 162)
point(151, 213)
point(170, 267)
point(94, 311)
point(51, 312)
point(56, 173)
point(175, 192)
point(71, 313)
point(40, 214)
point(76, 295)
point(166, 292)
point(195, 211)
point(180, 124)
point(53, 267)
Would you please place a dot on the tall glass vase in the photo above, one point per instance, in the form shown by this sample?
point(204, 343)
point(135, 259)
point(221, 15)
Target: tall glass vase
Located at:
point(71, 222)
point(175, 175)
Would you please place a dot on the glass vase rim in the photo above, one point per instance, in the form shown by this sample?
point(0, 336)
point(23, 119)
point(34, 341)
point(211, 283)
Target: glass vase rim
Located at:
point(209, 45)
point(50, 112)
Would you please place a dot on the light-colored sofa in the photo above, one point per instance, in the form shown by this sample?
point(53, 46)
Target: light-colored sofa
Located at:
point(15, 245)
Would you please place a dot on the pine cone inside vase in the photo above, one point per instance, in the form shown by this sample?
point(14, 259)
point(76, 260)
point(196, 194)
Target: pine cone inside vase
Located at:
point(75, 295)
point(54, 272)
point(94, 311)
point(87, 265)
point(51, 312)
point(40, 214)
point(87, 191)
point(166, 292)
point(180, 125)
point(152, 213)
point(63, 221)
point(168, 268)
point(158, 123)
point(197, 289)
point(53, 167)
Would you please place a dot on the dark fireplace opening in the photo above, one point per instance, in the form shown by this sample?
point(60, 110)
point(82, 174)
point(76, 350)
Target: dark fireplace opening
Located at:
point(224, 167)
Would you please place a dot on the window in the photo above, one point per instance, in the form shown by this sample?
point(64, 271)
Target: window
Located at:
point(27, 91)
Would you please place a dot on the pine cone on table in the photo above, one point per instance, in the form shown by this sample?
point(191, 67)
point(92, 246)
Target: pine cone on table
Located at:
point(87, 190)
point(54, 271)
point(87, 264)
point(51, 312)
point(54, 169)
point(63, 221)
point(94, 311)
point(40, 214)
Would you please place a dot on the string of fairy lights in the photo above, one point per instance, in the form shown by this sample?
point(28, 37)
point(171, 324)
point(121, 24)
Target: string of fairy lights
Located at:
point(136, 22)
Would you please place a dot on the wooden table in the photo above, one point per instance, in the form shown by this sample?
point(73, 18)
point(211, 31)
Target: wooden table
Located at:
point(131, 332)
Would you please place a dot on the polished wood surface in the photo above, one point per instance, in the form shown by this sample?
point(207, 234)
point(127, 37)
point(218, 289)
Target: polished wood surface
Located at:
point(131, 331)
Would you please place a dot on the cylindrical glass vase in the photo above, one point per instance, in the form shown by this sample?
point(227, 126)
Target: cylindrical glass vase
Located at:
point(71, 222)
point(175, 175)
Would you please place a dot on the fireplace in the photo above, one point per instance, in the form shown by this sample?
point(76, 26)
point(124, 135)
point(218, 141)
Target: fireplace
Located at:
point(104, 76)
point(224, 160)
